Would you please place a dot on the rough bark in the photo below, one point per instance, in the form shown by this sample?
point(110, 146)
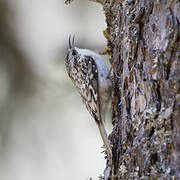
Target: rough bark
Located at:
point(143, 37)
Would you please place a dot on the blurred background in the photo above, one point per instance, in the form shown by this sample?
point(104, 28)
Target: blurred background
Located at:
point(46, 132)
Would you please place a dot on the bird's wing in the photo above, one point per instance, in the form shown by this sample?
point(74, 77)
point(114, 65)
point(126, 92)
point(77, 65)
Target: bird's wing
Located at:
point(92, 100)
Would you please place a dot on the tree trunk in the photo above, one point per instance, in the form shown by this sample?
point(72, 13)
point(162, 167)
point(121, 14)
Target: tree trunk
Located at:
point(143, 40)
point(144, 43)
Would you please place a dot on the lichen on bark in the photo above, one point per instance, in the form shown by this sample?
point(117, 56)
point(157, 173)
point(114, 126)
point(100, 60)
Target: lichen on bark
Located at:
point(146, 97)
point(144, 39)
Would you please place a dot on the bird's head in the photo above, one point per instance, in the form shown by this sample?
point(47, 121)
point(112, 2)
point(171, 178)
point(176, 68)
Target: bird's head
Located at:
point(72, 56)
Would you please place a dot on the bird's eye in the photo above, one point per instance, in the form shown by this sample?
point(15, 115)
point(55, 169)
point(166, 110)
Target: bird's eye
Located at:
point(74, 52)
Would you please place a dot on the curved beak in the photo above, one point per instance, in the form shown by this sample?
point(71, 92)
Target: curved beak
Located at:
point(71, 43)
point(70, 46)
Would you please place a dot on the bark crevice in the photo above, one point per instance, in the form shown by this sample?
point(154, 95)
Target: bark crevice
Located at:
point(145, 137)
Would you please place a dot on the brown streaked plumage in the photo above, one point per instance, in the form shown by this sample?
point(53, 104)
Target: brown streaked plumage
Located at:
point(89, 74)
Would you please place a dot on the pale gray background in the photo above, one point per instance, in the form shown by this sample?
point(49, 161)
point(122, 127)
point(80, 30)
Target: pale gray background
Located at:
point(49, 134)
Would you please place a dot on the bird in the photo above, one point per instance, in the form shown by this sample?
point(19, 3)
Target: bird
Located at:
point(89, 73)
